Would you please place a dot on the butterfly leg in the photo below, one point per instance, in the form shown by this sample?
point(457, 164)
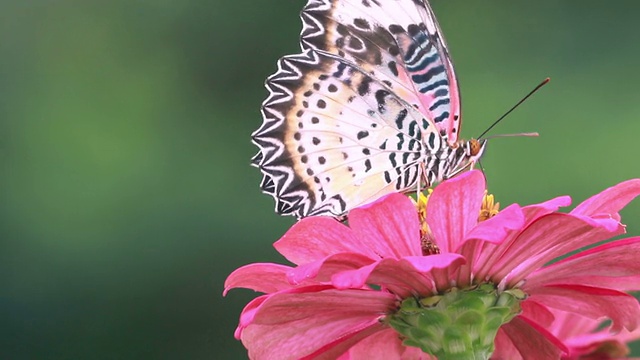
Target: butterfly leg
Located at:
point(422, 178)
point(419, 177)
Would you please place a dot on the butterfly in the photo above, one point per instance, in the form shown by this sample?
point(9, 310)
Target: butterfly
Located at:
point(370, 106)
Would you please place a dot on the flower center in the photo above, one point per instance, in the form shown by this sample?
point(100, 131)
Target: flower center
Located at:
point(489, 209)
point(459, 324)
point(428, 245)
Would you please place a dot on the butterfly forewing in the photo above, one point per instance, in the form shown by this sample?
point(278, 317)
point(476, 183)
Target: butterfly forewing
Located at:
point(370, 100)
point(394, 40)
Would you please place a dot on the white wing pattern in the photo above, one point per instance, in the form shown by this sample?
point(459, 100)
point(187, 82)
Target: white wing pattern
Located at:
point(369, 107)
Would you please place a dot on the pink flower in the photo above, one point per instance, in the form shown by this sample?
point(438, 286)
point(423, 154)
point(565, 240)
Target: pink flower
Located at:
point(355, 289)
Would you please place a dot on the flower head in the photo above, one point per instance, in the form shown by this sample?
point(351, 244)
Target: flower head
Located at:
point(370, 289)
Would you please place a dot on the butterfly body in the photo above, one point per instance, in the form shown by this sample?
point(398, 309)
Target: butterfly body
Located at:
point(369, 107)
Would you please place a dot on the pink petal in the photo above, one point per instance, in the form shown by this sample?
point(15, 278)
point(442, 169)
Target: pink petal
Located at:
point(567, 324)
point(389, 227)
point(549, 237)
point(248, 313)
point(355, 279)
point(412, 353)
point(537, 313)
point(610, 201)
point(323, 269)
point(262, 277)
point(426, 264)
point(504, 348)
point(533, 212)
point(607, 222)
point(305, 302)
point(586, 343)
point(405, 277)
point(385, 344)
point(523, 339)
point(440, 268)
point(495, 229)
point(316, 237)
point(297, 325)
point(255, 305)
point(621, 308)
point(490, 254)
point(613, 265)
point(340, 346)
point(583, 347)
point(481, 241)
point(453, 209)
point(584, 336)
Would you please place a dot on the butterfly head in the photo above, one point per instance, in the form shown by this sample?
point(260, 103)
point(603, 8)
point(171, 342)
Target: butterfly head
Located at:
point(474, 149)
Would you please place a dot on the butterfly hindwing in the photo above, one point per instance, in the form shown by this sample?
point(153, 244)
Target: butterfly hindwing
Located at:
point(335, 137)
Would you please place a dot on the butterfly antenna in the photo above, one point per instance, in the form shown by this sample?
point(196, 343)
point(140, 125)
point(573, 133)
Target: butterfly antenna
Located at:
point(543, 83)
point(528, 134)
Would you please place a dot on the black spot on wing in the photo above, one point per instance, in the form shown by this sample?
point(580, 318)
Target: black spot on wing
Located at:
point(423, 78)
point(414, 130)
point(441, 92)
point(340, 72)
point(400, 141)
point(434, 85)
point(413, 30)
point(402, 114)
point(441, 117)
point(367, 165)
point(393, 67)
point(405, 157)
point(362, 24)
point(355, 43)
point(392, 158)
point(380, 99)
point(364, 86)
point(443, 101)
point(395, 29)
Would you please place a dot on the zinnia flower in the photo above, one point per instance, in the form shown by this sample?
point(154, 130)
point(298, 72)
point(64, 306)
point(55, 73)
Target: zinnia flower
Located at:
point(472, 284)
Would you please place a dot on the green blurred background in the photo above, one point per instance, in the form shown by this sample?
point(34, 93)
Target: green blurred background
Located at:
point(126, 191)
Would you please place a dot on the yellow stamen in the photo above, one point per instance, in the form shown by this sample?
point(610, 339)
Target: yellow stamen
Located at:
point(489, 207)
point(427, 242)
point(421, 205)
